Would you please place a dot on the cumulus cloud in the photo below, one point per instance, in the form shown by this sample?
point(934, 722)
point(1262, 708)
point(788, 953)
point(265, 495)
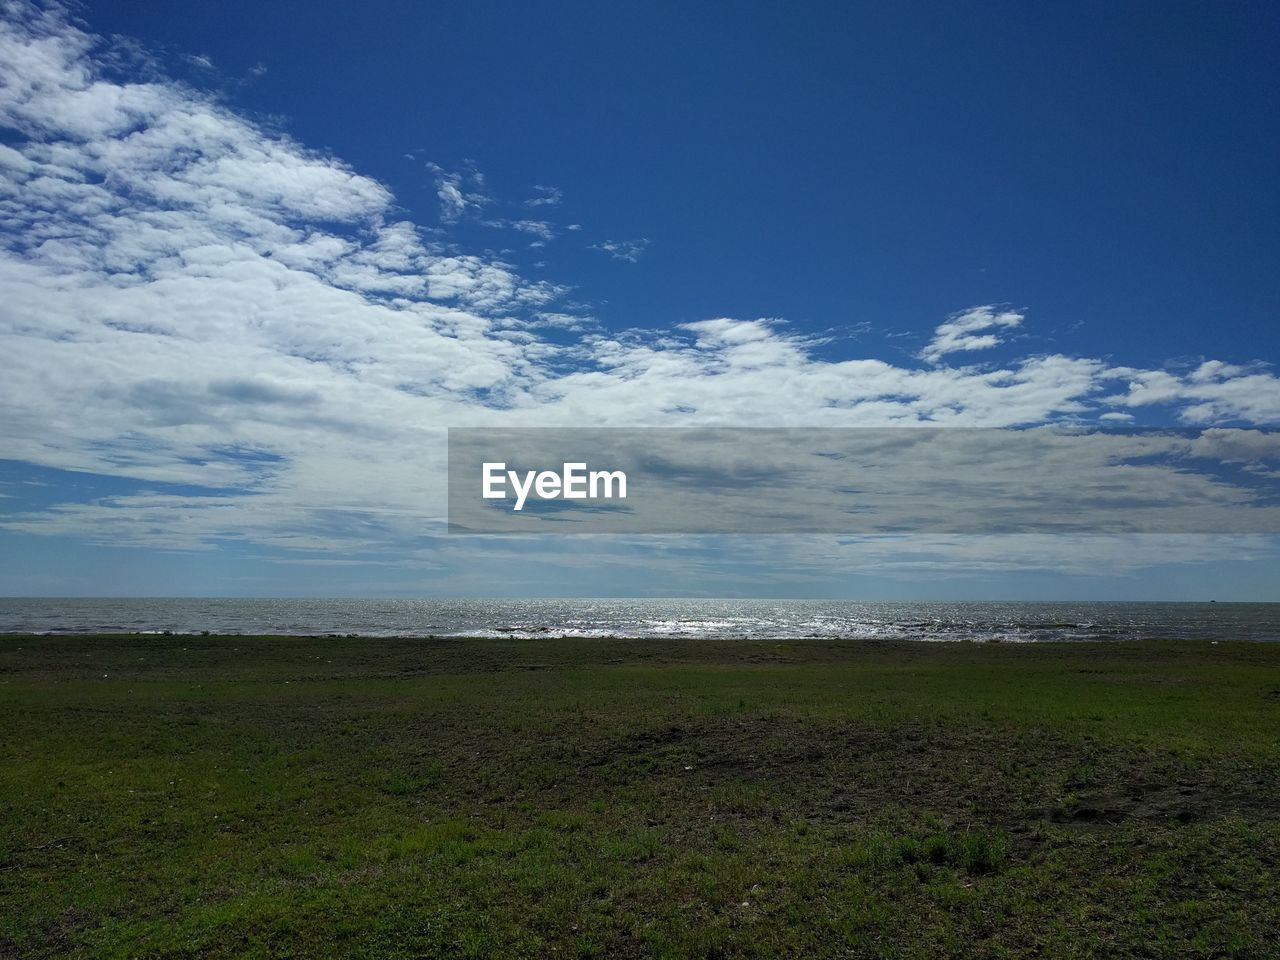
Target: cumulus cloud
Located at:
point(971, 329)
point(188, 298)
point(1211, 393)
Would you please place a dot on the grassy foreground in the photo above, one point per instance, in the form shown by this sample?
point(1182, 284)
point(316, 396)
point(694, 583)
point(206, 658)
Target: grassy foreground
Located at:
point(286, 797)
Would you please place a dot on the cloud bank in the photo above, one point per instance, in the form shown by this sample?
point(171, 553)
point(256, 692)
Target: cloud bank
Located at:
point(188, 297)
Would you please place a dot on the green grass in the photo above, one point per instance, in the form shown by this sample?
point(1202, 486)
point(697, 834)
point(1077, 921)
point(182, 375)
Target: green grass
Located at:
point(286, 797)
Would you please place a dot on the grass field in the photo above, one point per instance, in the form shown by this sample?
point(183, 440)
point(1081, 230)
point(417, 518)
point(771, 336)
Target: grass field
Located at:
point(286, 797)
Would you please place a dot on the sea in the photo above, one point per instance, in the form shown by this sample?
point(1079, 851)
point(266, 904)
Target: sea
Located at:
point(1014, 622)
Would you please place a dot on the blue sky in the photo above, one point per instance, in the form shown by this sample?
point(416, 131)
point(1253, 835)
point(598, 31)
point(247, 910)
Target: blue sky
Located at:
point(1109, 166)
point(257, 256)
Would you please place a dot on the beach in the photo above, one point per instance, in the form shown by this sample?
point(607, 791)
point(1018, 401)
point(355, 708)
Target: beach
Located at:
point(229, 796)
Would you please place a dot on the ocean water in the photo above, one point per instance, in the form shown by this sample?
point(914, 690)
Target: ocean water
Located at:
point(976, 621)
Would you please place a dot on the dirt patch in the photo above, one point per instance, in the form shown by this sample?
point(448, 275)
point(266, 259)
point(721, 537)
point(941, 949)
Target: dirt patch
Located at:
point(1003, 778)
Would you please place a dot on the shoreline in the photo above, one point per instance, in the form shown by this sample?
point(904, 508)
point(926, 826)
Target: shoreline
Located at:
point(530, 637)
point(741, 620)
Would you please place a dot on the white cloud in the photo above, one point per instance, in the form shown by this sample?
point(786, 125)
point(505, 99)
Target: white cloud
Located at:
point(629, 251)
point(542, 230)
point(545, 196)
point(186, 297)
point(965, 331)
point(1214, 392)
point(458, 192)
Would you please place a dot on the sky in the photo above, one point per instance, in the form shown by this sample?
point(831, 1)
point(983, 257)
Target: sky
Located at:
point(255, 258)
